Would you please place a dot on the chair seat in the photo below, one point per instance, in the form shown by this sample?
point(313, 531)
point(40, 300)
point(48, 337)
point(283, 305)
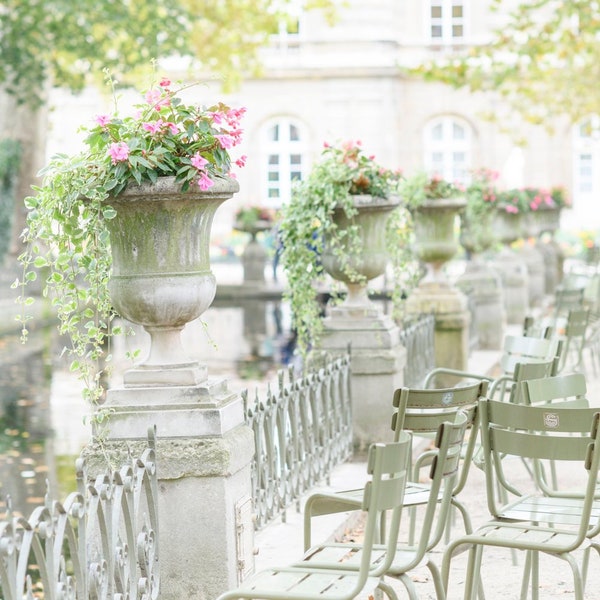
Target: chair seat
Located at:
point(304, 583)
point(526, 537)
point(544, 509)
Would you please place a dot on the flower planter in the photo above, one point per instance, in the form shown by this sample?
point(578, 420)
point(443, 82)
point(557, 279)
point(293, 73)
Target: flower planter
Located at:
point(371, 221)
point(161, 273)
point(435, 238)
point(509, 227)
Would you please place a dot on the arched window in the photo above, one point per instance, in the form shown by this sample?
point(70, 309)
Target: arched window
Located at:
point(586, 170)
point(447, 143)
point(284, 152)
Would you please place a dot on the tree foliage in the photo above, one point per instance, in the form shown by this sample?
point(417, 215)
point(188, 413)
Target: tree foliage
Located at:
point(63, 41)
point(544, 61)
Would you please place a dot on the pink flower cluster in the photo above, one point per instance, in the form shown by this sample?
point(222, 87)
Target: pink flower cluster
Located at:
point(162, 130)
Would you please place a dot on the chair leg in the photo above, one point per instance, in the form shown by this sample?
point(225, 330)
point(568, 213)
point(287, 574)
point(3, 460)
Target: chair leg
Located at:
point(388, 590)
point(436, 576)
point(577, 577)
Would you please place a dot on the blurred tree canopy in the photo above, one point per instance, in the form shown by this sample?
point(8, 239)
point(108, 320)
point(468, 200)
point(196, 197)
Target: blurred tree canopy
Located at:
point(64, 41)
point(544, 61)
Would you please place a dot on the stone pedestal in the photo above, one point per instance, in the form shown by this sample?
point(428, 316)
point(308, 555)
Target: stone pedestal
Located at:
point(254, 260)
point(203, 458)
point(548, 249)
point(449, 306)
point(515, 280)
point(484, 285)
point(377, 366)
point(536, 270)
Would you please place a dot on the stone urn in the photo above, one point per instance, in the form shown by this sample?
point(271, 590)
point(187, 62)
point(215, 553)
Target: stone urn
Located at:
point(435, 233)
point(508, 227)
point(370, 220)
point(254, 257)
point(161, 275)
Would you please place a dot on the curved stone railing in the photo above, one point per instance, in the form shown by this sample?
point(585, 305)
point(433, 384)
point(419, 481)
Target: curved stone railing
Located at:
point(100, 543)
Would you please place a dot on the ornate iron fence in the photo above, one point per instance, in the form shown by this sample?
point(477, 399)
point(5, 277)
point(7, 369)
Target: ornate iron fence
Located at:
point(101, 543)
point(417, 336)
point(301, 431)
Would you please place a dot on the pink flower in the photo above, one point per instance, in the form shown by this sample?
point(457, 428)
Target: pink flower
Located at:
point(102, 120)
point(226, 141)
point(241, 161)
point(511, 209)
point(153, 126)
point(216, 117)
point(165, 82)
point(204, 182)
point(198, 161)
point(155, 98)
point(174, 129)
point(119, 152)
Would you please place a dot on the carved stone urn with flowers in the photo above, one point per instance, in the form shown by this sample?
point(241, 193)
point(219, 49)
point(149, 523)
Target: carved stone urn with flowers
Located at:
point(345, 222)
point(123, 228)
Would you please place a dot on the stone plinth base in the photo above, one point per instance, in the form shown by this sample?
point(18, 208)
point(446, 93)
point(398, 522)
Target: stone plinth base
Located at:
point(515, 280)
point(534, 262)
point(484, 285)
point(254, 260)
point(204, 509)
point(177, 411)
point(377, 365)
point(449, 306)
point(203, 460)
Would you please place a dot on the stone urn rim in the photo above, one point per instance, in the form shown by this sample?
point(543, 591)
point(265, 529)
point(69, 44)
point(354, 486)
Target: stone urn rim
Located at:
point(453, 203)
point(167, 186)
point(367, 201)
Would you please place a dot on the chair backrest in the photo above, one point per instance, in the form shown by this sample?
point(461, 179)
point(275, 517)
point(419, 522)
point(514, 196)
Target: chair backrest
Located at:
point(521, 349)
point(566, 299)
point(574, 336)
point(388, 465)
point(506, 387)
point(422, 411)
point(560, 388)
point(444, 473)
point(543, 432)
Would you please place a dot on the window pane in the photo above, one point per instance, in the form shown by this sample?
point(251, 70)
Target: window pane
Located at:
point(294, 134)
point(457, 12)
point(295, 176)
point(436, 11)
point(457, 31)
point(295, 159)
point(585, 130)
point(458, 157)
point(436, 31)
point(274, 133)
point(273, 159)
point(458, 132)
point(437, 132)
point(273, 193)
point(273, 176)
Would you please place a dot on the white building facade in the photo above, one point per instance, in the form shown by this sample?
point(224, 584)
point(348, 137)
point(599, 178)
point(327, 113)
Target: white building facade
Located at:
point(348, 81)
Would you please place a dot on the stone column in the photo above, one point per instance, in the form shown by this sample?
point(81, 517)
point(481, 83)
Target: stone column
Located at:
point(449, 306)
point(377, 365)
point(515, 280)
point(203, 464)
point(485, 286)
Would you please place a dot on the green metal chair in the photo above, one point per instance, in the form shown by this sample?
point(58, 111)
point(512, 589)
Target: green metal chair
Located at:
point(445, 468)
point(532, 521)
point(516, 349)
point(357, 571)
point(421, 412)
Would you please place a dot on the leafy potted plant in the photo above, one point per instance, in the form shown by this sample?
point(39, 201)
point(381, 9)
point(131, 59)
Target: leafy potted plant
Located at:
point(511, 208)
point(434, 204)
point(344, 221)
point(131, 214)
